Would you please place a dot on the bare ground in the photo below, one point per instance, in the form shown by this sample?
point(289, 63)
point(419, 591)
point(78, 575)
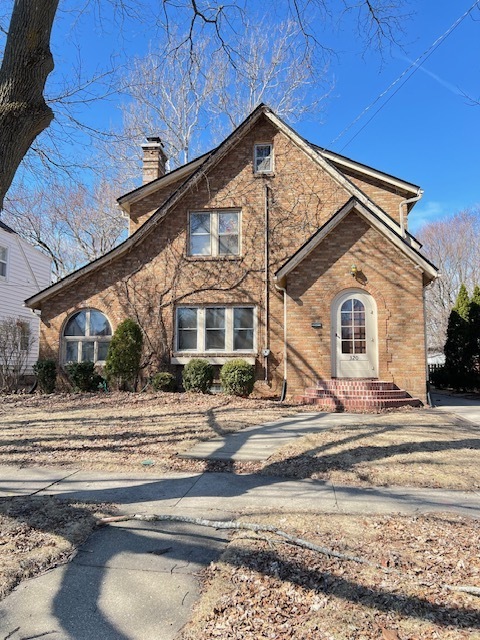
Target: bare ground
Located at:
point(37, 533)
point(121, 431)
point(420, 448)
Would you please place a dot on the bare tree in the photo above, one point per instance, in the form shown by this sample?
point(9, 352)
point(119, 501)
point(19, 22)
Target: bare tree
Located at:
point(194, 99)
point(170, 93)
point(16, 342)
point(27, 59)
point(27, 62)
point(453, 245)
point(277, 70)
point(69, 222)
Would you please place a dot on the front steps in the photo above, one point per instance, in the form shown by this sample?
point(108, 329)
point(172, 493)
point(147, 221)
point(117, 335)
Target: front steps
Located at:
point(357, 394)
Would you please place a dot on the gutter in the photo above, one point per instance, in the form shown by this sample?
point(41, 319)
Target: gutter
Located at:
point(402, 216)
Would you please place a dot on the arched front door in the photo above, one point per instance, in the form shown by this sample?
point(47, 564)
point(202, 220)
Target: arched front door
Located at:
point(354, 336)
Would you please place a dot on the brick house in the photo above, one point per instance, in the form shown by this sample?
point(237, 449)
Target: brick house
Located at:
point(268, 248)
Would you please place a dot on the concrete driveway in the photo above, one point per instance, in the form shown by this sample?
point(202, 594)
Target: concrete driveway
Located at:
point(466, 408)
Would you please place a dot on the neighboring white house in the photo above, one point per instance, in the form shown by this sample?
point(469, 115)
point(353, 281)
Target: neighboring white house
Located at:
point(24, 271)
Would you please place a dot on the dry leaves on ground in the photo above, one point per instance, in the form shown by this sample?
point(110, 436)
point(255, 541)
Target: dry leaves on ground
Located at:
point(37, 533)
point(119, 431)
point(420, 448)
point(261, 590)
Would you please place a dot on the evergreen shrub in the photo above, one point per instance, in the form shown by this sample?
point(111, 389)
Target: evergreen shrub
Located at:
point(163, 381)
point(46, 372)
point(197, 375)
point(124, 353)
point(237, 377)
point(83, 377)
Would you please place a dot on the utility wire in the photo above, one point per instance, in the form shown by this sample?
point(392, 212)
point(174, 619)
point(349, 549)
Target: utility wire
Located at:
point(415, 66)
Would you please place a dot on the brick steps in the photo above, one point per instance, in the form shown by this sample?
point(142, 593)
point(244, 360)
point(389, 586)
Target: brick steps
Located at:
point(357, 395)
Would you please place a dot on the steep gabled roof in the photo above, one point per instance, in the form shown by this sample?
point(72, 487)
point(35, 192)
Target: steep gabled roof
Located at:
point(375, 221)
point(139, 193)
point(193, 173)
point(342, 161)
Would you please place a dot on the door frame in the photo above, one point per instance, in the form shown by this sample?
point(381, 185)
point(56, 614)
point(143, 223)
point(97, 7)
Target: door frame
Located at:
point(371, 319)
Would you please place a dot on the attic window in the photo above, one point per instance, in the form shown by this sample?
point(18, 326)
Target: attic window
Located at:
point(3, 262)
point(263, 161)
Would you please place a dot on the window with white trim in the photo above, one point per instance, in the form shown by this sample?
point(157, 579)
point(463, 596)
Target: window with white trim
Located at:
point(3, 262)
point(25, 337)
point(215, 329)
point(263, 158)
point(86, 337)
point(214, 233)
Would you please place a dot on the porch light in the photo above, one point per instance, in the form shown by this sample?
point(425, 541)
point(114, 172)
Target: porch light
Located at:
point(353, 270)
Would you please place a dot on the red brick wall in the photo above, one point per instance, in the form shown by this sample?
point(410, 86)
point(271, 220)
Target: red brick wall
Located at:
point(147, 282)
point(386, 274)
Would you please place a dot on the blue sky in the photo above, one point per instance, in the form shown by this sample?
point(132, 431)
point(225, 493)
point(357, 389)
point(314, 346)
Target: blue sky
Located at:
point(427, 133)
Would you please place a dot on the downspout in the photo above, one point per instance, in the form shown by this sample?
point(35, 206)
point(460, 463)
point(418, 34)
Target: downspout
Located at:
point(266, 351)
point(427, 385)
point(402, 216)
point(284, 386)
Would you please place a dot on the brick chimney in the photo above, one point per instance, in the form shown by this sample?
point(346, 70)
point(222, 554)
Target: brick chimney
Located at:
point(154, 159)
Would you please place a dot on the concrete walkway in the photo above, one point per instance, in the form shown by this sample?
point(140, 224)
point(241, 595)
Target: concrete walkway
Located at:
point(138, 581)
point(261, 441)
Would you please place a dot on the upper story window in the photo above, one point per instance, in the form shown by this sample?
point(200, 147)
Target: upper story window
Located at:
point(3, 262)
point(214, 233)
point(86, 337)
point(263, 161)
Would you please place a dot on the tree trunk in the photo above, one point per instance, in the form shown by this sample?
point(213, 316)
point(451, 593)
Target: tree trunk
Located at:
point(27, 61)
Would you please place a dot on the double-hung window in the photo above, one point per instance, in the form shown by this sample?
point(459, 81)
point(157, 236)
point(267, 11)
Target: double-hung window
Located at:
point(25, 339)
point(214, 233)
point(215, 329)
point(3, 262)
point(263, 158)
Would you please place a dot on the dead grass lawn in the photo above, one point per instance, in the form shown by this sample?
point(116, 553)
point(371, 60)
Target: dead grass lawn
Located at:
point(262, 589)
point(37, 533)
point(420, 448)
point(120, 431)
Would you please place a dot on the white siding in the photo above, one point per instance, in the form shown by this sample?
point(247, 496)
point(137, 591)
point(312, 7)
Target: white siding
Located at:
point(28, 271)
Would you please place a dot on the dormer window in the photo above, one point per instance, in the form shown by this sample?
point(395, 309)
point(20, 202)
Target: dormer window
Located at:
point(263, 161)
point(3, 262)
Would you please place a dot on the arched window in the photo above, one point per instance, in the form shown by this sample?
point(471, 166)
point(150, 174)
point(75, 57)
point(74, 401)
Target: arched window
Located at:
point(86, 337)
point(353, 326)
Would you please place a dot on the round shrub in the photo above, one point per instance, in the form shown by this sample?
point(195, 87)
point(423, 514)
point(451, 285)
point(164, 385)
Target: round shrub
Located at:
point(46, 372)
point(83, 377)
point(163, 381)
point(124, 353)
point(237, 377)
point(197, 375)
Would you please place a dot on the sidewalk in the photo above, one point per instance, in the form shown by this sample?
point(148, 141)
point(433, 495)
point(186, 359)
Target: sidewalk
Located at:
point(139, 581)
